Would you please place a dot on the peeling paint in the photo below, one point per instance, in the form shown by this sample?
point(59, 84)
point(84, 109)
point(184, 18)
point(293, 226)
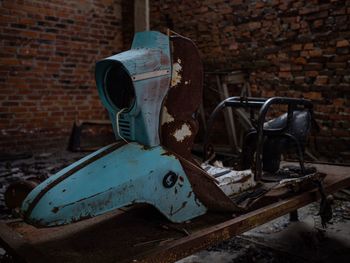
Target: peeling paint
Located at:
point(182, 133)
point(176, 77)
point(166, 117)
point(231, 182)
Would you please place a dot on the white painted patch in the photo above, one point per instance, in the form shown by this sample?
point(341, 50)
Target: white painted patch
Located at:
point(231, 182)
point(166, 117)
point(176, 76)
point(182, 133)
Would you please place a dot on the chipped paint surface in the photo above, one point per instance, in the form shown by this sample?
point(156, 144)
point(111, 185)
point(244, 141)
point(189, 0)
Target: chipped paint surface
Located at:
point(166, 117)
point(176, 76)
point(182, 133)
point(97, 184)
point(230, 181)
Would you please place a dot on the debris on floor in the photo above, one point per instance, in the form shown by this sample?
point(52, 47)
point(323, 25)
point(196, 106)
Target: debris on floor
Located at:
point(277, 241)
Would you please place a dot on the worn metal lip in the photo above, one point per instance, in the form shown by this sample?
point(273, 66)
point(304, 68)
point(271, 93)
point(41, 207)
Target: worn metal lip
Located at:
point(150, 74)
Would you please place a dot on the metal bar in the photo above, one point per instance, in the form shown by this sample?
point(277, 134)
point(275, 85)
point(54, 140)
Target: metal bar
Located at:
point(151, 74)
point(231, 120)
point(244, 104)
point(202, 113)
point(293, 216)
point(252, 102)
point(261, 120)
point(227, 115)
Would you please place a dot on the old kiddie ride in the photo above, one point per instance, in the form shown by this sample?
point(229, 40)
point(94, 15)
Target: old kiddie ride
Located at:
point(152, 93)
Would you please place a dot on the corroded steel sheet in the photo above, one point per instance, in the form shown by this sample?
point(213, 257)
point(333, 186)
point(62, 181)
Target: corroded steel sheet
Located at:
point(179, 126)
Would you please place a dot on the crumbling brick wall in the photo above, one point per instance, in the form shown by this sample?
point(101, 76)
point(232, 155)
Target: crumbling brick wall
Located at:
point(47, 56)
point(288, 48)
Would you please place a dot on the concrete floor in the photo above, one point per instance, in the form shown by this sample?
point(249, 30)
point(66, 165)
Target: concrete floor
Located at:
point(284, 241)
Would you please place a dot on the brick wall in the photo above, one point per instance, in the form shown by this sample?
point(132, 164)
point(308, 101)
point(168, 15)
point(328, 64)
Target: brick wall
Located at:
point(47, 55)
point(289, 48)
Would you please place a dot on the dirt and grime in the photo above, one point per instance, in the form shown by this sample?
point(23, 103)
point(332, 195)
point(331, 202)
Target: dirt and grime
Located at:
point(277, 241)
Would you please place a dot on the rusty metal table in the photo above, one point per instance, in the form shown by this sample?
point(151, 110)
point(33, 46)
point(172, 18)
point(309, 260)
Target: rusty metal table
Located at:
point(141, 234)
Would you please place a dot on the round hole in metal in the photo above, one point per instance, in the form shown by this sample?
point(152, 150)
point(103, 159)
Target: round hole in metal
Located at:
point(119, 88)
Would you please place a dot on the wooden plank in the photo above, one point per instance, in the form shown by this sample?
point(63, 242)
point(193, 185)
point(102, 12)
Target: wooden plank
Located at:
point(215, 234)
point(15, 244)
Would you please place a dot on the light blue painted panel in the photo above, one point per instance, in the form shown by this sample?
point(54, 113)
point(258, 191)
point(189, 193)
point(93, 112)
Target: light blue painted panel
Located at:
point(125, 176)
point(150, 52)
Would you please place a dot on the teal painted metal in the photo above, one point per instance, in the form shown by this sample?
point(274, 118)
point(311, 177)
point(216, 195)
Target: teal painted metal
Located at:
point(116, 176)
point(127, 175)
point(148, 57)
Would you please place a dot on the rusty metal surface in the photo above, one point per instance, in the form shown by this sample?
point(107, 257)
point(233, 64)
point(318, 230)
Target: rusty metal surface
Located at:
point(142, 234)
point(16, 192)
point(179, 127)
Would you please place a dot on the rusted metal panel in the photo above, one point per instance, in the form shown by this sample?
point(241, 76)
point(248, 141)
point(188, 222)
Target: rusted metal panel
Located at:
point(178, 125)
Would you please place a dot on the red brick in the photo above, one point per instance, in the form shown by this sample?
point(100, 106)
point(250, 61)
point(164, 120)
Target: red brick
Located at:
point(308, 46)
point(315, 53)
point(39, 43)
point(311, 73)
point(343, 43)
point(296, 47)
point(313, 95)
point(301, 61)
point(321, 80)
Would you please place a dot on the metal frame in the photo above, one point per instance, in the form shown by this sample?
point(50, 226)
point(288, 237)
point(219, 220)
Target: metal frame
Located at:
point(263, 104)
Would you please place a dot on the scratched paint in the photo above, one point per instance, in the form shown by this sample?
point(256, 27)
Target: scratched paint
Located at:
point(150, 53)
point(176, 76)
point(166, 117)
point(90, 192)
point(182, 133)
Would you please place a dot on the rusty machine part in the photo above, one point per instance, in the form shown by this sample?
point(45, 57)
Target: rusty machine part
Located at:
point(179, 127)
point(268, 137)
point(152, 93)
point(142, 89)
point(16, 192)
point(268, 140)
